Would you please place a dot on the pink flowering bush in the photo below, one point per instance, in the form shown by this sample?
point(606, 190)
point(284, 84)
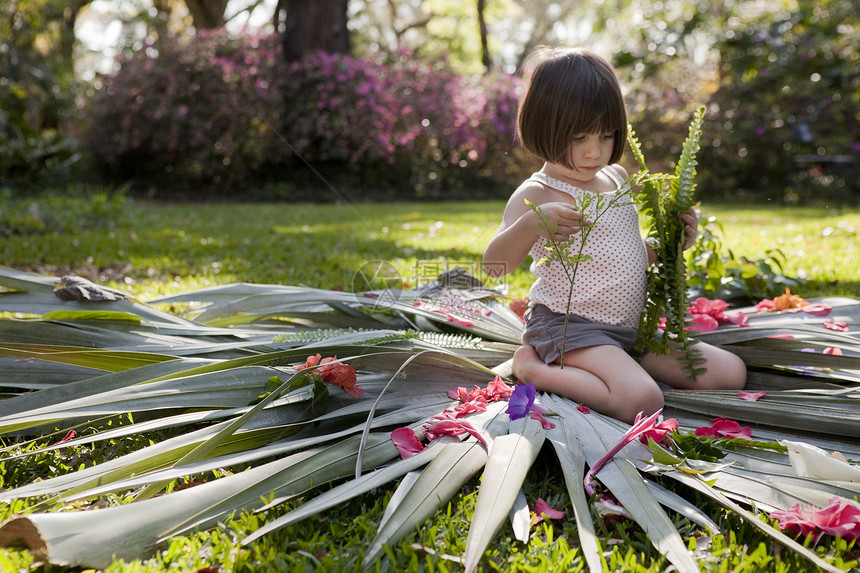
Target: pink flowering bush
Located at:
point(187, 113)
point(222, 112)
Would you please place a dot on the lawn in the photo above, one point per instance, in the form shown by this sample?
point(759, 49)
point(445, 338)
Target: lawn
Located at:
point(161, 249)
point(169, 248)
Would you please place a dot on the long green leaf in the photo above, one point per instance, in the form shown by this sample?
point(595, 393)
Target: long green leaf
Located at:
point(510, 458)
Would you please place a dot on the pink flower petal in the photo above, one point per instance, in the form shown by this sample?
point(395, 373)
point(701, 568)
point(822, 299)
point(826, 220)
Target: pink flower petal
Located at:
point(498, 390)
point(446, 424)
point(583, 408)
point(460, 322)
point(725, 428)
point(833, 351)
point(407, 443)
point(478, 404)
point(538, 415)
point(840, 518)
point(738, 318)
point(703, 323)
point(659, 432)
point(784, 336)
point(542, 509)
point(70, 435)
point(751, 396)
point(836, 325)
point(817, 309)
point(766, 304)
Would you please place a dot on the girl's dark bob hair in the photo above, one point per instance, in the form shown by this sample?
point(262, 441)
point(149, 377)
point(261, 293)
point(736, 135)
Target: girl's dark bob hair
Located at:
point(569, 92)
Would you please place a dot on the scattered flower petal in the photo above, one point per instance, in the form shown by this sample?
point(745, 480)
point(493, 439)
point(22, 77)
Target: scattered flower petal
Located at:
point(836, 325)
point(537, 414)
point(703, 323)
point(751, 396)
point(542, 509)
point(445, 424)
point(407, 443)
point(340, 374)
point(738, 318)
point(498, 390)
point(70, 435)
point(725, 428)
point(833, 351)
point(478, 404)
point(521, 401)
point(458, 321)
point(783, 336)
point(841, 518)
point(583, 408)
point(817, 309)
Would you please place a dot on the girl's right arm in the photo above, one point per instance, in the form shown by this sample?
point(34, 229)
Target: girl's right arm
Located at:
point(521, 227)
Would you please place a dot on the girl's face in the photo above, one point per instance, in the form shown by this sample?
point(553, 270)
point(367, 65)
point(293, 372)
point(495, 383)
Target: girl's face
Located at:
point(589, 153)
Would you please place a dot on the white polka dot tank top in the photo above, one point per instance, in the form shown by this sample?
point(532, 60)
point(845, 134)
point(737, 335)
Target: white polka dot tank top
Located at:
point(610, 287)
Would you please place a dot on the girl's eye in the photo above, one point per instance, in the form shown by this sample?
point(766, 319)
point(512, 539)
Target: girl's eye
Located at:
point(608, 136)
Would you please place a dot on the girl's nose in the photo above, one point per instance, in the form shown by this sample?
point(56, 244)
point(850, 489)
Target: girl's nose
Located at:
point(592, 148)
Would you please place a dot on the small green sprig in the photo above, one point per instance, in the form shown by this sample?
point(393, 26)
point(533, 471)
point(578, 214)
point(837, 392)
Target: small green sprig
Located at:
point(661, 199)
point(592, 206)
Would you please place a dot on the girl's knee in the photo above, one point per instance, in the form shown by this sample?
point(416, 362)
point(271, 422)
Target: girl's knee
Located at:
point(645, 400)
point(726, 372)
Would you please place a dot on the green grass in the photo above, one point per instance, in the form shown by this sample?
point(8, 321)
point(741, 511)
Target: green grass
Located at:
point(164, 249)
point(174, 248)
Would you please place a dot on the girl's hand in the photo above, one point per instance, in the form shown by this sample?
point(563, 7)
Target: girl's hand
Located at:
point(691, 227)
point(561, 217)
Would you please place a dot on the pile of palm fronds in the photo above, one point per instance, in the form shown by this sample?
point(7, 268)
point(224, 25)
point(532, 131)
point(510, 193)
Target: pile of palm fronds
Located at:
point(228, 385)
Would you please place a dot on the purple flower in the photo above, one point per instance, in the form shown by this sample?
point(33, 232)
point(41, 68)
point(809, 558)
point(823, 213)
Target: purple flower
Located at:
point(521, 401)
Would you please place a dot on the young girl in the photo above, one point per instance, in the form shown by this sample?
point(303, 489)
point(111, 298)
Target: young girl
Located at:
point(572, 116)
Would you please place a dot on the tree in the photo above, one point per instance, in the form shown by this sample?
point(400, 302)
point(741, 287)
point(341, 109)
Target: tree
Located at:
point(308, 26)
point(207, 14)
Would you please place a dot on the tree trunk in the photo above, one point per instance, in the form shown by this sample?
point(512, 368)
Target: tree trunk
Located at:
point(485, 46)
point(207, 14)
point(308, 26)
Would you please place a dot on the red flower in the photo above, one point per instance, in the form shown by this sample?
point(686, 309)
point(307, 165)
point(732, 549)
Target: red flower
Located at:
point(792, 303)
point(659, 432)
point(542, 509)
point(841, 518)
point(495, 391)
point(498, 390)
point(311, 361)
point(407, 443)
point(725, 428)
point(337, 373)
point(445, 424)
point(478, 404)
point(519, 306)
point(708, 314)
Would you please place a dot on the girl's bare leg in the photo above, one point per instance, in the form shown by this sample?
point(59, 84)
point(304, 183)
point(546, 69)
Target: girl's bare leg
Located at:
point(604, 378)
point(725, 371)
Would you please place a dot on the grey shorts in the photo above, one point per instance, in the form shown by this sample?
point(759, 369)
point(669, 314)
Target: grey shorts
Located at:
point(545, 331)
